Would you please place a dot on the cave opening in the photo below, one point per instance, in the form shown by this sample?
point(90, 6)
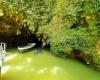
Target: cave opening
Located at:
point(16, 40)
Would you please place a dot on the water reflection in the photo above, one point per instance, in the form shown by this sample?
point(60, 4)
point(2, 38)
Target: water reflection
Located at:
point(32, 69)
point(45, 67)
point(5, 69)
point(41, 71)
point(18, 67)
point(29, 60)
point(56, 70)
point(10, 57)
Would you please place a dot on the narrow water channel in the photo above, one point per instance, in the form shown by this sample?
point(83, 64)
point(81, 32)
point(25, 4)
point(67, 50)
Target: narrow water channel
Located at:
point(42, 65)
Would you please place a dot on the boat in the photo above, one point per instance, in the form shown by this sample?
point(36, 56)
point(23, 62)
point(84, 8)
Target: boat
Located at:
point(26, 47)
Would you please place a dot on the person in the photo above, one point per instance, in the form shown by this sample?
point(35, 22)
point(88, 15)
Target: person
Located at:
point(2, 53)
point(1, 56)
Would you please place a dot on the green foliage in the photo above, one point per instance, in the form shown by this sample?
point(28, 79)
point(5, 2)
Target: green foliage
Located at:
point(66, 24)
point(75, 25)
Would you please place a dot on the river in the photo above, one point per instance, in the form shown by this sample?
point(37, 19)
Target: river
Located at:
point(40, 64)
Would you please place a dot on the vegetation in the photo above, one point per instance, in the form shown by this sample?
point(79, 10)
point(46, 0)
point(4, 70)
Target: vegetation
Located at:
point(71, 27)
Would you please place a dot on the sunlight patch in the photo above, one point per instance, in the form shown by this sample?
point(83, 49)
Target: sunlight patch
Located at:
point(29, 60)
point(10, 57)
point(5, 69)
point(41, 71)
point(56, 70)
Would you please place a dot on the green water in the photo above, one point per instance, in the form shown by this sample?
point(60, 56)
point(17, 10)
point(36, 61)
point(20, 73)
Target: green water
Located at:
point(42, 65)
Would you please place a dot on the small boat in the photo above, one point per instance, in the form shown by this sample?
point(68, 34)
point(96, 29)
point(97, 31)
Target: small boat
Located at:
point(26, 47)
